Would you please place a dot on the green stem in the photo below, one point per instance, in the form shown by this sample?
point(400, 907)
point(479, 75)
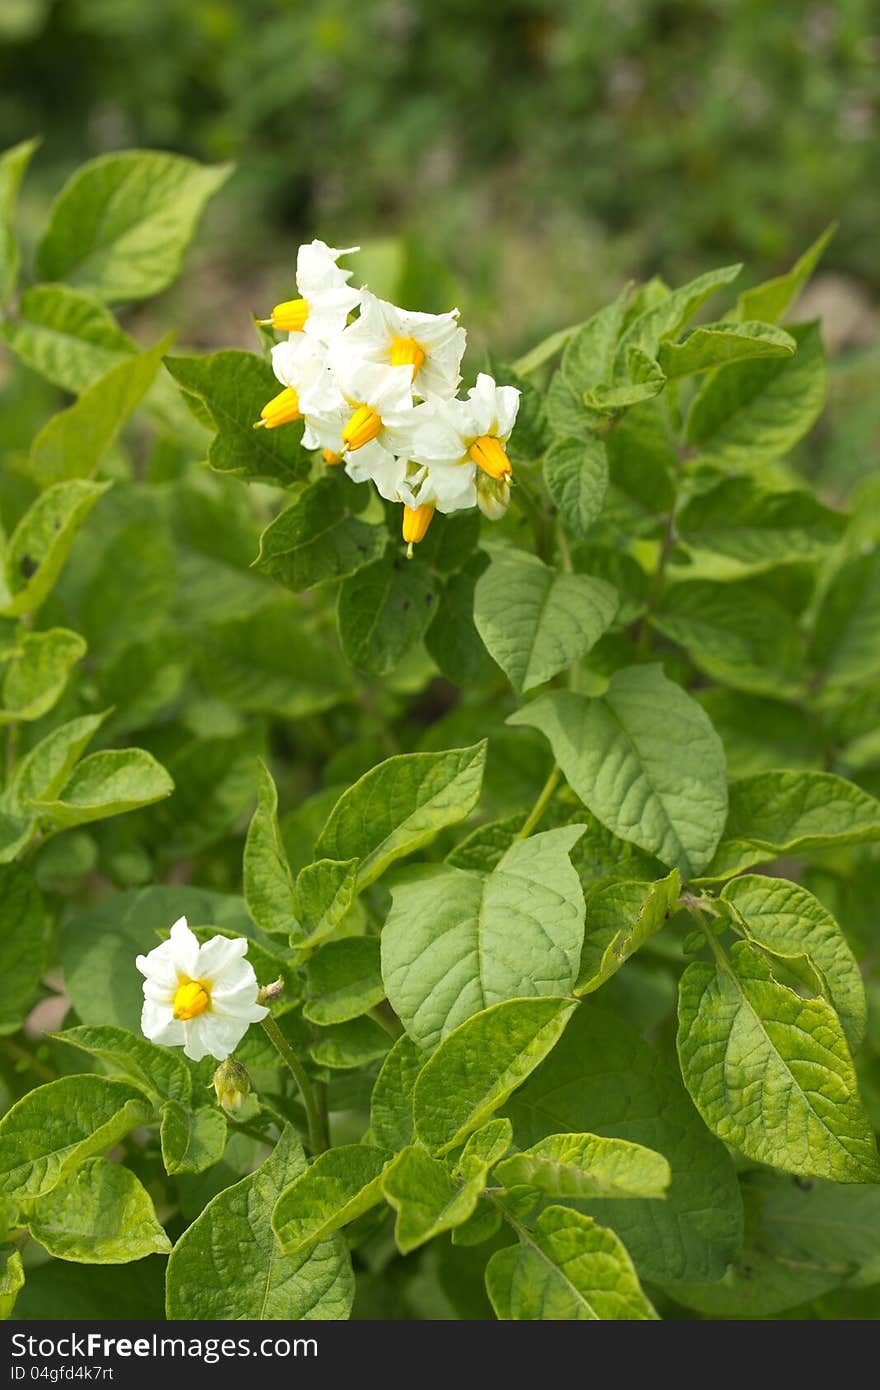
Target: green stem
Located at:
point(317, 1127)
point(721, 958)
point(541, 804)
point(392, 1025)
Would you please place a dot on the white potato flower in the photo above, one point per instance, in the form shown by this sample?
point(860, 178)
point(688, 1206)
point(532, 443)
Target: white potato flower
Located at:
point(474, 430)
point(300, 364)
point(325, 297)
point(200, 998)
point(432, 345)
point(379, 397)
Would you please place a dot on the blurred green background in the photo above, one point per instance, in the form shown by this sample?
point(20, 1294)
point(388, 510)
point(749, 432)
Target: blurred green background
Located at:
point(524, 158)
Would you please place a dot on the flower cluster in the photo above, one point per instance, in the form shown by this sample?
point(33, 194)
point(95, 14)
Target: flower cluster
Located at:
point(377, 392)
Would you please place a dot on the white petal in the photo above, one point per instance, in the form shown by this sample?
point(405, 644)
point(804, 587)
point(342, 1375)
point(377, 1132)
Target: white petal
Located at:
point(212, 1035)
point(218, 955)
point(506, 407)
point(316, 267)
point(184, 948)
point(160, 966)
point(160, 1026)
point(329, 311)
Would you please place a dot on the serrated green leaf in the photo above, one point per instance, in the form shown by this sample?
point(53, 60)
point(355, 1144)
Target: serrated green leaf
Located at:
point(99, 1214)
point(736, 633)
point(384, 610)
point(107, 784)
point(40, 544)
point(787, 918)
point(339, 1186)
point(231, 389)
point(770, 300)
point(35, 670)
point(325, 891)
point(456, 941)
point(536, 621)
point(13, 163)
point(56, 1126)
point(480, 1064)
point(74, 441)
point(121, 224)
point(644, 759)
point(66, 335)
point(268, 882)
point(757, 527)
point(400, 805)
point(576, 474)
point(566, 1268)
point(620, 919)
point(228, 1265)
point(587, 1166)
point(159, 1071)
point(771, 1073)
point(343, 980)
point(776, 813)
point(391, 1104)
point(603, 1077)
point(22, 944)
point(717, 344)
point(192, 1140)
point(752, 411)
point(427, 1200)
point(317, 539)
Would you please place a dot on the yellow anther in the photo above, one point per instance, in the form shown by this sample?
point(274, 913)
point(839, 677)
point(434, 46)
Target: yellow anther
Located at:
point(488, 453)
point(416, 521)
point(289, 317)
point(191, 998)
point(406, 352)
point(363, 426)
point(281, 410)
point(330, 458)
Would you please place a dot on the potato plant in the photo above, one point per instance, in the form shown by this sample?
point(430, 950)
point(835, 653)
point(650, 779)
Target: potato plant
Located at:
point(542, 981)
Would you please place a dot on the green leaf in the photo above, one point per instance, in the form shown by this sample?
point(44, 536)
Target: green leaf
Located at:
point(576, 474)
point(192, 1140)
point(317, 539)
point(13, 163)
point(645, 381)
point(343, 980)
point(56, 1289)
point(22, 944)
point(666, 318)
point(34, 672)
point(98, 1215)
point(121, 224)
point(644, 759)
point(74, 441)
point(536, 621)
point(771, 1073)
point(107, 784)
point(227, 1265)
point(757, 527)
point(231, 389)
point(41, 773)
point(452, 639)
point(588, 357)
point(717, 344)
point(384, 610)
point(456, 942)
point(400, 805)
point(11, 1281)
point(603, 1077)
point(268, 882)
point(789, 920)
point(771, 300)
point(339, 1186)
point(69, 337)
point(40, 544)
point(426, 1198)
point(352, 1044)
point(567, 411)
point(760, 733)
point(391, 1104)
point(159, 1071)
point(587, 1166)
point(480, 1064)
point(620, 919)
point(846, 635)
point(800, 813)
point(736, 633)
point(56, 1126)
point(752, 411)
point(325, 891)
point(566, 1268)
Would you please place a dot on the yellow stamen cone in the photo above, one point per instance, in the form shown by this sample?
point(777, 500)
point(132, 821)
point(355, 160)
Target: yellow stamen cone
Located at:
point(281, 410)
point(416, 521)
point(488, 453)
point(406, 352)
point(289, 317)
point(330, 458)
point(191, 998)
point(363, 426)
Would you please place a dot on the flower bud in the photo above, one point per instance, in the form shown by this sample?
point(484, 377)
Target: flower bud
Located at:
point(493, 495)
point(231, 1084)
